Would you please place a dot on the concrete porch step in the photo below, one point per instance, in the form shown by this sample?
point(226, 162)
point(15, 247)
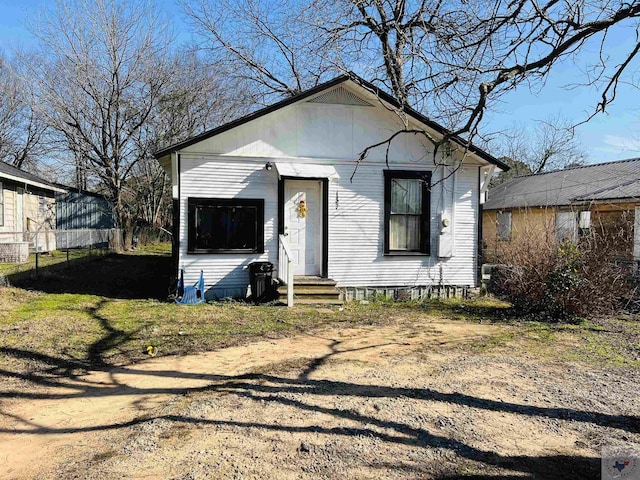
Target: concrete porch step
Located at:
point(309, 290)
point(317, 290)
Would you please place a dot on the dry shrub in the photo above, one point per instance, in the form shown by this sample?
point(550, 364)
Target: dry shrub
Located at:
point(562, 280)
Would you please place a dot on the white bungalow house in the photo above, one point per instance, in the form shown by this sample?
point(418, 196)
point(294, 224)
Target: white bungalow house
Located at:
point(279, 184)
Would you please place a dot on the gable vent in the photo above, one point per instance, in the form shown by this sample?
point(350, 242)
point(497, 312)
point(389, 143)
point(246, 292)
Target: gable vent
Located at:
point(340, 96)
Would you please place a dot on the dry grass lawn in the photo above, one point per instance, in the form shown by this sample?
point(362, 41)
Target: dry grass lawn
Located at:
point(237, 391)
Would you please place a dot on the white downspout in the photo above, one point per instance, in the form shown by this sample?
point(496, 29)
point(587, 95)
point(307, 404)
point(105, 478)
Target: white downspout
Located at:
point(454, 184)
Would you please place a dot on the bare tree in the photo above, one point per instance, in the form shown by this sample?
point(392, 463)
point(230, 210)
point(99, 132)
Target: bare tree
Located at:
point(449, 60)
point(148, 191)
point(103, 70)
point(267, 45)
point(550, 146)
point(22, 133)
point(113, 88)
point(457, 56)
point(198, 96)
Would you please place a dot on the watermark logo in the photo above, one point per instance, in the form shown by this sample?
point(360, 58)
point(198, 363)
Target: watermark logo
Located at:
point(620, 462)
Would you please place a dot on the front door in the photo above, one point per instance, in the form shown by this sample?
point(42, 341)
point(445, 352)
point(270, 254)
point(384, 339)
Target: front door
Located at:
point(303, 224)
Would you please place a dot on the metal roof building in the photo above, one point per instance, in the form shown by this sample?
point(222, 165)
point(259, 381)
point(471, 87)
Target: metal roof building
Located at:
point(618, 180)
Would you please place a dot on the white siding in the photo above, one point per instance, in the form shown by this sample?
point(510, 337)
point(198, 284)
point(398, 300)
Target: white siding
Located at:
point(9, 210)
point(356, 233)
point(225, 178)
point(355, 226)
point(311, 130)
point(231, 164)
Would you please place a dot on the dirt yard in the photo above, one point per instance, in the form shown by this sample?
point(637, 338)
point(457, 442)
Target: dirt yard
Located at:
point(412, 399)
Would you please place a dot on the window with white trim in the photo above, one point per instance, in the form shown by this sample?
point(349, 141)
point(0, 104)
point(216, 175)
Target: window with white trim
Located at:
point(566, 226)
point(42, 206)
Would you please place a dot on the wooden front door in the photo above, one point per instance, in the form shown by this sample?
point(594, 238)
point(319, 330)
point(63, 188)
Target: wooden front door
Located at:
point(303, 224)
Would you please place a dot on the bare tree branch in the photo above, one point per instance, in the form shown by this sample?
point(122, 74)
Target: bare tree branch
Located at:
point(22, 133)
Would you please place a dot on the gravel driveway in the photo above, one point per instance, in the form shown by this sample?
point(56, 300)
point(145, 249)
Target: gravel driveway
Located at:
point(428, 399)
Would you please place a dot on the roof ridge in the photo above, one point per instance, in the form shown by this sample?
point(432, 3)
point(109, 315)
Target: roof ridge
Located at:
point(577, 167)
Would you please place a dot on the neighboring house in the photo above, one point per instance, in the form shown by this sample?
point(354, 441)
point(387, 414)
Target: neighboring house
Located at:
point(567, 204)
point(79, 210)
point(83, 219)
point(27, 213)
point(284, 176)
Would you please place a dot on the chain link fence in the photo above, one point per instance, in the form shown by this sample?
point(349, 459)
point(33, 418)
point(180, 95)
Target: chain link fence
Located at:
point(106, 239)
point(29, 252)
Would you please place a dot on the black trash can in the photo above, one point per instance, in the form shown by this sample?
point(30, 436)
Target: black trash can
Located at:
point(261, 280)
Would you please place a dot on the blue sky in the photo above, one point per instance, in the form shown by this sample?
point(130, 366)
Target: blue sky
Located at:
point(613, 136)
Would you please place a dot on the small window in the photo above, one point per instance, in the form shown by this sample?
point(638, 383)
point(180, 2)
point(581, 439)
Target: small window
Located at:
point(584, 223)
point(42, 206)
point(218, 225)
point(407, 211)
point(1, 205)
point(503, 220)
point(566, 226)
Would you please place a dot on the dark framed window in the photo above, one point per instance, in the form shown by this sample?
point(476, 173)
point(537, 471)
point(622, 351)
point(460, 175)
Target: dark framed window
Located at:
point(407, 212)
point(222, 225)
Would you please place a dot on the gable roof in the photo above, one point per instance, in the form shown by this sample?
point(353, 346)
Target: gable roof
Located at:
point(16, 175)
point(617, 180)
point(385, 97)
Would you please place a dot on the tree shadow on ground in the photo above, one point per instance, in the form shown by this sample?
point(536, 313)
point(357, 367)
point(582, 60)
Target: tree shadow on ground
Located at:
point(112, 338)
point(113, 276)
point(60, 382)
point(58, 368)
